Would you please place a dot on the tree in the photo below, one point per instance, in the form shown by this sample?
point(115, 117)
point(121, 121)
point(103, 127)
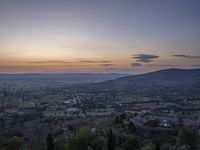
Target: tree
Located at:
point(187, 137)
point(60, 144)
point(117, 121)
point(99, 143)
point(86, 139)
point(39, 136)
point(70, 127)
point(22, 99)
point(123, 116)
point(152, 123)
point(4, 95)
point(32, 144)
point(149, 147)
point(131, 127)
point(13, 143)
point(156, 141)
point(131, 144)
point(157, 146)
point(111, 143)
point(180, 124)
point(50, 142)
point(1, 144)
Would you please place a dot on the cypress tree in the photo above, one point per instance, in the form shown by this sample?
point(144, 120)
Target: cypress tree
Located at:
point(111, 145)
point(50, 142)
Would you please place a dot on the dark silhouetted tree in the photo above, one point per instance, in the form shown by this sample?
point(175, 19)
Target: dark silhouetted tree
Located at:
point(50, 142)
point(117, 121)
point(131, 144)
point(4, 94)
point(157, 146)
point(13, 143)
point(111, 143)
point(131, 127)
point(187, 137)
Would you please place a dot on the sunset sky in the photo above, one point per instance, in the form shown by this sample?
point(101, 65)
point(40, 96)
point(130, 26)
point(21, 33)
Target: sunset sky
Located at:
point(98, 35)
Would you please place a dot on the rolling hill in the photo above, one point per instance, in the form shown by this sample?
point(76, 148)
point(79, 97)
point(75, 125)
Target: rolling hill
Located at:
point(152, 80)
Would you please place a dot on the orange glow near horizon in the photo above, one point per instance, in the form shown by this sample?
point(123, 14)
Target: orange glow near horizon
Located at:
point(94, 36)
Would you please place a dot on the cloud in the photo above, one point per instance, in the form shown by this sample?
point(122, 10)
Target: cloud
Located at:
point(161, 65)
point(95, 61)
point(196, 66)
point(145, 58)
point(186, 56)
point(107, 65)
point(136, 64)
point(67, 62)
point(51, 61)
point(118, 69)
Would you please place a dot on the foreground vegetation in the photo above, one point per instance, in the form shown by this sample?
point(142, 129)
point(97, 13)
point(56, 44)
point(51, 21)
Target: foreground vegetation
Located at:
point(92, 139)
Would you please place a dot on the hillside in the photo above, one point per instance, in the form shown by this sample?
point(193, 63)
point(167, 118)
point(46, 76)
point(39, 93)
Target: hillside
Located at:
point(152, 80)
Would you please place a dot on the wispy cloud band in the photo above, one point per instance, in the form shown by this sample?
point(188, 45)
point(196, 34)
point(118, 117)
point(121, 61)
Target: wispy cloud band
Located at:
point(145, 58)
point(187, 56)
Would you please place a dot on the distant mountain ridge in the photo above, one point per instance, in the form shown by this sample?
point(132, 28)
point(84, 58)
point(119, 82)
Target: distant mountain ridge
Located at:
point(157, 79)
point(69, 77)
